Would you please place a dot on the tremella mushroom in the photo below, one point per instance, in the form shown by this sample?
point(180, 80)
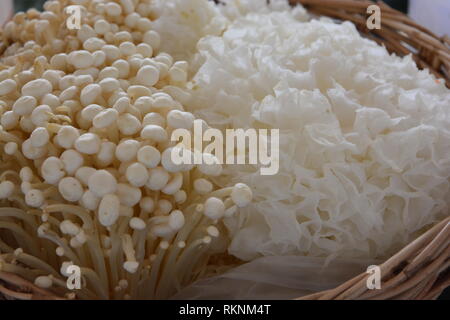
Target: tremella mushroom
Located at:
point(86, 117)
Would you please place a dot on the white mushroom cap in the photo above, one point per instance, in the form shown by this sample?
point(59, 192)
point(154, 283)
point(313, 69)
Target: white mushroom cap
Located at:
point(180, 196)
point(66, 136)
point(89, 200)
point(105, 118)
point(109, 210)
point(213, 231)
point(153, 118)
point(203, 186)
point(170, 162)
point(84, 173)
point(128, 124)
point(129, 196)
point(24, 105)
point(37, 88)
point(81, 59)
point(88, 143)
point(214, 208)
point(31, 152)
point(68, 227)
point(39, 137)
point(11, 148)
point(43, 282)
point(127, 150)
point(102, 182)
point(176, 220)
point(52, 170)
point(210, 165)
point(131, 266)
point(91, 111)
point(178, 119)
point(9, 120)
point(154, 133)
point(34, 198)
point(158, 178)
point(70, 189)
point(149, 156)
point(90, 93)
point(137, 224)
point(137, 174)
point(40, 115)
point(6, 189)
point(147, 204)
point(105, 156)
point(72, 161)
point(26, 174)
point(147, 76)
point(164, 207)
point(174, 184)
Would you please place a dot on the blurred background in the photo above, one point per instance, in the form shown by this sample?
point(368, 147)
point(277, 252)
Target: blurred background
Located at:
point(433, 14)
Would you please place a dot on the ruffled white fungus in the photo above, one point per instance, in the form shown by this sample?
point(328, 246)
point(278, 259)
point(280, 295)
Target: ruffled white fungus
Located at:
point(363, 135)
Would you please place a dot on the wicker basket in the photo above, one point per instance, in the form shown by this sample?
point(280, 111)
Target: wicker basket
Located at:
point(421, 270)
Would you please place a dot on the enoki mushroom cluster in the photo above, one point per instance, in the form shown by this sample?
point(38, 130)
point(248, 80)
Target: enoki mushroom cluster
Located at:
point(86, 174)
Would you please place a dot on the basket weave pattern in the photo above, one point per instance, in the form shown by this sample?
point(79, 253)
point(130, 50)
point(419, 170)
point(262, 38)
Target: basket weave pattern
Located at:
point(421, 270)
